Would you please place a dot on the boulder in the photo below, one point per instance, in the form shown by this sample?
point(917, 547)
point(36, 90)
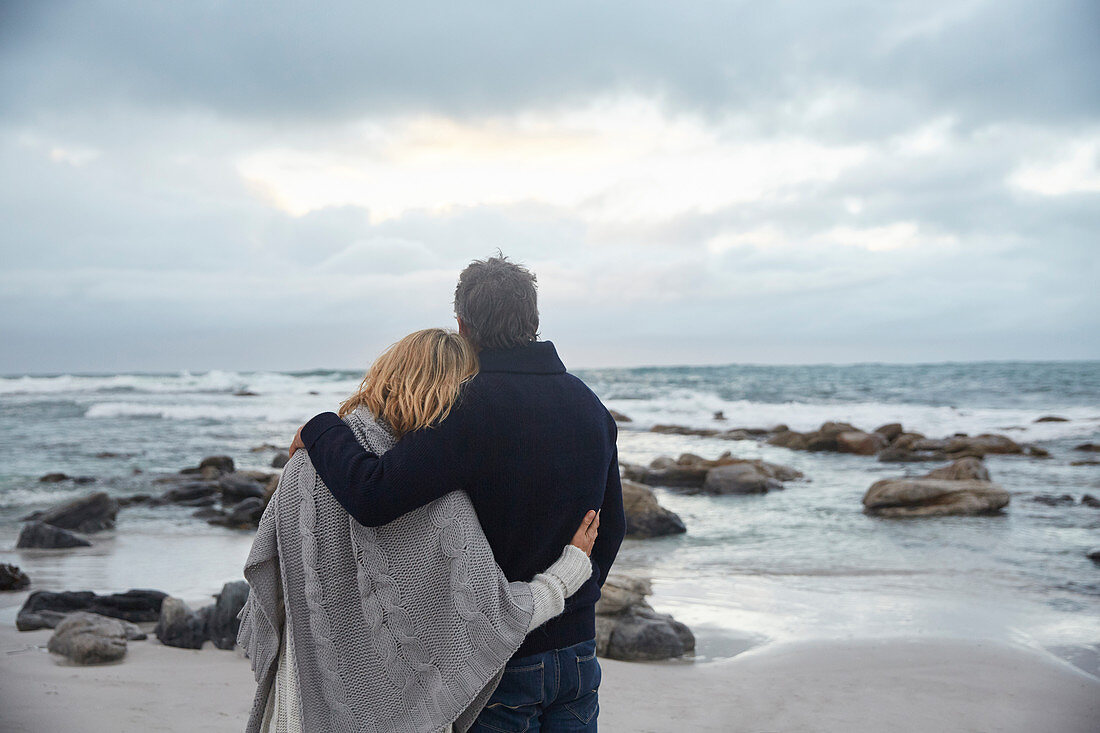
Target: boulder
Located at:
point(690, 471)
point(964, 469)
point(1052, 418)
point(1036, 452)
point(46, 536)
point(822, 439)
point(739, 478)
point(12, 578)
point(280, 460)
point(179, 626)
point(1094, 555)
point(860, 443)
point(43, 609)
point(223, 624)
point(193, 493)
point(983, 444)
point(243, 515)
point(890, 431)
point(927, 497)
point(1088, 447)
point(134, 499)
point(628, 628)
point(1090, 500)
point(223, 464)
point(644, 516)
point(90, 513)
point(619, 417)
point(88, 638)
point(53, 478)
point(237, 487)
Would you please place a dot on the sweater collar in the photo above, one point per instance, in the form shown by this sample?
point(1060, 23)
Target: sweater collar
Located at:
point(537, 357)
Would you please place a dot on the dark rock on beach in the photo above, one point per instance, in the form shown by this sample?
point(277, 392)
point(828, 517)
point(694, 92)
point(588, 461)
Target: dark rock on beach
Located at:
point(619, 417)
point(48, 537)
point(134, 499)
point(12, 578)
point(644, 516)
point(221, 463)
point(193, 493)
point(43, 609)
point(243, 515)
point(628, 628)
point(860, 443)
point(890, 431)
point(237, 486)
point(88, 638)
point(1094, 555)
point(280, 460)
point(223, 623)
point(90, 513)
point(1090, 500)
point(179, 626)
point(1052, 418)
point(1088, 447)
point(53, 478)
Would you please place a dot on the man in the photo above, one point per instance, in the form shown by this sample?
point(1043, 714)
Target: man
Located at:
point(535, 449)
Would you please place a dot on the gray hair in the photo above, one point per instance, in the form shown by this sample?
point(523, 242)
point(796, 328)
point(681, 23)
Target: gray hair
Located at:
point(498, 303)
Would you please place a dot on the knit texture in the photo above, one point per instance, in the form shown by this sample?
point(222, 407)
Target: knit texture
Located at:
point(416, 642)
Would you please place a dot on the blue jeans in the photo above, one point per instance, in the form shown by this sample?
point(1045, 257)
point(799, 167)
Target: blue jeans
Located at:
point(552, 692)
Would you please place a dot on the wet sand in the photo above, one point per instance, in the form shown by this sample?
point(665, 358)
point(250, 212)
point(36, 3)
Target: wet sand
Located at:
point(916, 685)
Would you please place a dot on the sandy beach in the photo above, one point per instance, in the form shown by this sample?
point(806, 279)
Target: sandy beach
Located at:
point(913, 685)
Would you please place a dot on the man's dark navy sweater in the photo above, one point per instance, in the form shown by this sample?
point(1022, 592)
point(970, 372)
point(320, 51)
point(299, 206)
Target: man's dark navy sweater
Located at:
point(532, 446)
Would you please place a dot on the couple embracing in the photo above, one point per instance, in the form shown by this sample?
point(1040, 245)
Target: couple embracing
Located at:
point(432, 556)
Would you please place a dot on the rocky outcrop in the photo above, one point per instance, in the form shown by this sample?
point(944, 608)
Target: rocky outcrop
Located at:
point(1052, 418)
point(46, 536)
point(238, 486)
point(619, 417)
point(1094, 555)
point(628, 628)
point(1088, 447)
point(860, 443)
point(280, 460)
point(12, 578)
point(43, 609)
point(179, 626)
point(891, 431)
point(222, 622)
point(929, 497)
point(723, 475)
point(644, 516)
point(91, 513)
point(981, 445)
point(731, 434)
point(88, 638)
point(1090, 500)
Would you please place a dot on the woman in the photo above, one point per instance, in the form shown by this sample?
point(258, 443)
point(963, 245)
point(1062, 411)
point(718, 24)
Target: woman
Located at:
point(404, 627)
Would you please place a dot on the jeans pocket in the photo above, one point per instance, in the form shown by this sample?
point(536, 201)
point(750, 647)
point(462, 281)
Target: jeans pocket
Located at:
point(589, 676)
point(515, 702)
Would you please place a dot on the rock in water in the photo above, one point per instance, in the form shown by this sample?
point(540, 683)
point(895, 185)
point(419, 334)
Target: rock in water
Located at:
point(280, 460)
point(12, 578)
point(46, 536)
point(926, 497)
point(1088, 447)
point(223, 621)
point(43, 609)
point(179, 626)
point(243, 515)
point(88, 638)
point(90, 513)
point(860, 443)
point(619, 417)
point(644, 516)
point(890, 431)
point(964, 469)
point(739, 478)
point(628, 628)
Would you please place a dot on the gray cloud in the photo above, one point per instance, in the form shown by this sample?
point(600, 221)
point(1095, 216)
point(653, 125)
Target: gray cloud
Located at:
point(132, 241)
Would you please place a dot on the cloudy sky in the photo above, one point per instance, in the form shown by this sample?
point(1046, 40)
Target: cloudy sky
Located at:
point(252, 185)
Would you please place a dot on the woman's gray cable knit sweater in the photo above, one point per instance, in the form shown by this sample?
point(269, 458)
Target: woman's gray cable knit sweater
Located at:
point(418, 642)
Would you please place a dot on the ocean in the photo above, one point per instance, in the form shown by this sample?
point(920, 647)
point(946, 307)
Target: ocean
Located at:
point(801, 563)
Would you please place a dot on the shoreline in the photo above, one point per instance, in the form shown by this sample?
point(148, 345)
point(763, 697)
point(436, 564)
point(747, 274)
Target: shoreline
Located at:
point(856, 686)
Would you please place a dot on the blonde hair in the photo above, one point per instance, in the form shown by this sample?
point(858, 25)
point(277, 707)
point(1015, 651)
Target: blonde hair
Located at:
point(414, 383)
